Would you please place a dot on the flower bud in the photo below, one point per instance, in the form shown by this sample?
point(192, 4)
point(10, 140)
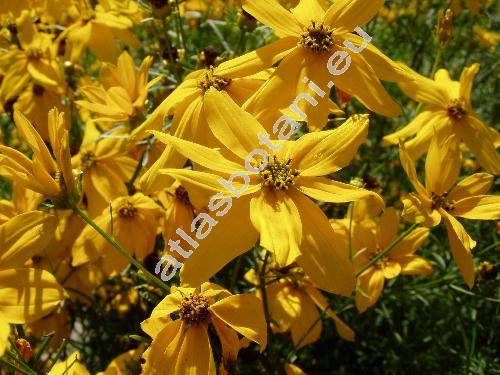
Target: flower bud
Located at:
point(445, 27)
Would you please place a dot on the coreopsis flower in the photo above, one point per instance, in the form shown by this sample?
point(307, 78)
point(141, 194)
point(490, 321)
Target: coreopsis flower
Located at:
point(310, 36)
point(295, 305)
point(123, 92)
point(26, 294)
point(448, 109)
point(35, 57)
point(274, 204)
point(132, 222)
point(372, 236)
point(51, 176)
point(444, 199)
point(179, 327)
point(239, 77)
point(99, 28)
point(105, 165)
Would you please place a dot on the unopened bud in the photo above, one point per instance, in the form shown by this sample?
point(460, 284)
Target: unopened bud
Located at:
point(486, 272)
point(445, 26)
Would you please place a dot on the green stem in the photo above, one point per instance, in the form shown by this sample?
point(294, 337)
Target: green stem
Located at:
point(486, 249)
point(149, 276)
point(19, 360)
point(265, 303)
point(14, 367)
point(380, 255)
point(42, 347)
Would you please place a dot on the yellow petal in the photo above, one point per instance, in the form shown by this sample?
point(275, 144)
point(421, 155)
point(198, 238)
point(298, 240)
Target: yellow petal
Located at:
point(372, 285)
point(34, 140)
point(361, 81)
point(442, 166)
point(480, 207)
point(417, 210)
point(276, 218)
point(334, 151)
point(322, 259)
point(425, 90)
point(307, 11)
point(480, 139)
point(70, 366)
point(235, 128)
point(293, 370)
point(343, 329)
point(255, 61)
point(345, 15)
point(461, 245)
point(302, 334)
point(195, 341)
point(410, 243)
point(208, 157)
point(229, 341)
point(467, 80)
point(391, 270)
point(272, 14)
point(27, 294)
point(285, 304)
point(25, 236)
point(476, 184)
point(326, 190)
point(244, 313)
point(413, 265)
point(233, 235)
point(388, 227)
point(421, 120)
point(411, 172)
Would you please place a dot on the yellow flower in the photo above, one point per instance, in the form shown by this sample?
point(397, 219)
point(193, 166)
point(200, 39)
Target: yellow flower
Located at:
point(371, 236)
point(105, 165)
point(239, 78)
point(442, 199)
point(448, 109)
point(134, 223)
point(99, 28)
point(310, 37)
point(36, 58)
point(295, 305)
point(273, 201)
point(26, 294)
point(182, 345)
point(124, 93)
point(51, 176)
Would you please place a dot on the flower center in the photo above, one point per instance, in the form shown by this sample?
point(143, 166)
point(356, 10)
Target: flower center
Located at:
point(182, 195)
point(88, 159)
point(440, 201)
point(382, 262)
point(278, 174)
point(456, 108)
point(213, 80)
point(38, 90)
point(318, 38)
point(34, 53)
point(194, 309)
point(126, 209)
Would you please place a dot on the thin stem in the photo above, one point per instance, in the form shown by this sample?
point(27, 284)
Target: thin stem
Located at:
point(486, 249)
point(262, 286)
point(380, 255)
point(19, 360)
point(149, 276)
point(14, 367)
point(42, 347)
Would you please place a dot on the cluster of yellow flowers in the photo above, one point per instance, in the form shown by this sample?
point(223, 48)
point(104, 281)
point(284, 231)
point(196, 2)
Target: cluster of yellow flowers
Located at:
point(80, 215)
